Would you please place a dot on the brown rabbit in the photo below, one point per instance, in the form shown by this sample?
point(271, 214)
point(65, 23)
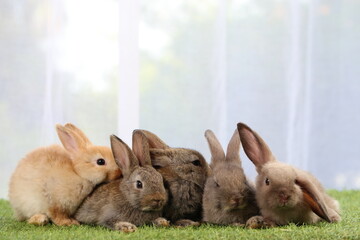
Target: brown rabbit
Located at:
point(51, 182)
point(134, 200)
point(229, 198)
point(184, 172)
point(284, 193)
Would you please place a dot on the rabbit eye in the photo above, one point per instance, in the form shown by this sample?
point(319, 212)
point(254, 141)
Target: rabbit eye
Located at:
point(100, 161)
point(157, 166)
point(267, 181)
point(215, 182)
point(139, 184)
point(196, 163)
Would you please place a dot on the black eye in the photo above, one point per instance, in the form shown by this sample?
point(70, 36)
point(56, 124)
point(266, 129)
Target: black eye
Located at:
point(267, 181)
point(157, 166)
point(100, 161)
point(139, 184)
point(216, 184)
point(196, 163)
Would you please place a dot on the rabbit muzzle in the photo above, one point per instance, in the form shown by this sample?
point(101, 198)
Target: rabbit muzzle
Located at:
point(153, 202)
point(283, 198)
point(235, 203)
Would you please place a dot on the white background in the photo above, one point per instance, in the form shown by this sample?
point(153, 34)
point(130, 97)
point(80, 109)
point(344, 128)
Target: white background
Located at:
point(289, 69)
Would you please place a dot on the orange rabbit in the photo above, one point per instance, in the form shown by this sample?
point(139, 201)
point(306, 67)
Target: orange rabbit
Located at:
point(51, 182)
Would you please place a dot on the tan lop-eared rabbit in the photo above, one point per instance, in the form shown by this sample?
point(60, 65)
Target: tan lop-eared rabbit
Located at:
point(285, 194)
point(50, 182)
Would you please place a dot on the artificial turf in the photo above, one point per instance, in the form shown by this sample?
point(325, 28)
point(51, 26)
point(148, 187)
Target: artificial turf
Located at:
point(348, 228)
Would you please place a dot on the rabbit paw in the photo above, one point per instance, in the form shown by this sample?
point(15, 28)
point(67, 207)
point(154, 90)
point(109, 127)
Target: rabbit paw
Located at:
point(186, 223)
point(255, 222)
point(237, 224)
point(125, 227)
point(60, 217)
point(259, 222)
point(65, 221)
point(161, 222)
point(39, 219)
point(335, 218)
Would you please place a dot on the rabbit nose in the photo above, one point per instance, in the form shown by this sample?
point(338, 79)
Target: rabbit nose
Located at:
point(283, 197)
point(157, 202)
point(236, 201)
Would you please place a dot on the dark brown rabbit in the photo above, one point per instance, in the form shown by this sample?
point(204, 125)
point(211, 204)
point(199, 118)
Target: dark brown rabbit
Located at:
point(229, 198)
point(184, 172)
point(284, 193)
point(136, 199)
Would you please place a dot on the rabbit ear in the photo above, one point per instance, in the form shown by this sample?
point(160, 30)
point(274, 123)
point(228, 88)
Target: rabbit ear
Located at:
point(69, 139)
point(254, 146)
point(233, 149)
point(217, 152)
point(81, 134)
point(123, 155)
point(313, 198)
point(154, 141)
point(140, 146)
point(159, 162)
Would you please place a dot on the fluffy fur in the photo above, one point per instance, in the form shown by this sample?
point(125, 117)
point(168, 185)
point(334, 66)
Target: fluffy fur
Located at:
point(229, 198)
point(284, 193)
point(124, 204)
point(51, 182)
point(184, 172)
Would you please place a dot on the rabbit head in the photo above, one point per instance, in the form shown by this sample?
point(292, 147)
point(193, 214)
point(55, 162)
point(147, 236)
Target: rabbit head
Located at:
point(228, 185)
point(184, 172)
point(282, 190)
point(142, 185)
point(177, 163)
point(91, 162)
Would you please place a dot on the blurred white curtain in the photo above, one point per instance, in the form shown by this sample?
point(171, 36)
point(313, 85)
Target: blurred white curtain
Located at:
point(52, 111)
point(219, 109)
point(287, 68)
point(128, 94)
point(299, 84)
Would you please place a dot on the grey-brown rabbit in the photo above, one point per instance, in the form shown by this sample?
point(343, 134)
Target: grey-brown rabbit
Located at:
point(136, 199)
point(229, 198)
point(184, 172)
point(284, 193)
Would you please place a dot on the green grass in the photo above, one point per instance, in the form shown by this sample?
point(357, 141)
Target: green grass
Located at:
point(349, 228)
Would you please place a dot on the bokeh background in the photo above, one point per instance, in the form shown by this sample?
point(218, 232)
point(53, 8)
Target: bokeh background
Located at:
point(288, 68)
